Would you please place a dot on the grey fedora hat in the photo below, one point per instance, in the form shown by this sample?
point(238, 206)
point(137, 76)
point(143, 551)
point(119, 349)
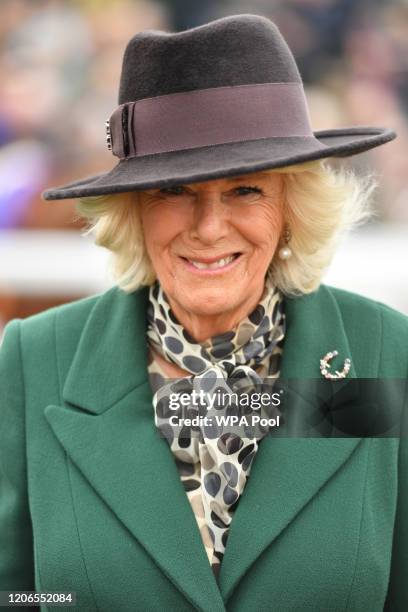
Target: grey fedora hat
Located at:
point(222, 99)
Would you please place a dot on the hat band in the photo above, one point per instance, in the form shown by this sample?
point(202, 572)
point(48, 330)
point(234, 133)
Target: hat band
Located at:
point(206, 117)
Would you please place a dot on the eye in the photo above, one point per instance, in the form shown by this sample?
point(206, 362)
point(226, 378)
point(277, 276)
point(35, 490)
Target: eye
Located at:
point(246, 189)
point(176, 190)
point(244, 194)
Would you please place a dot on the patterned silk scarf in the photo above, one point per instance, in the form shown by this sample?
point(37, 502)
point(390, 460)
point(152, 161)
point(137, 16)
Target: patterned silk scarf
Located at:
point(218, 464)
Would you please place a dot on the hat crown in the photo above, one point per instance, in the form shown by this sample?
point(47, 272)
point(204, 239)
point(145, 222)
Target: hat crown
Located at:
point(236, 50)
point(218, 100)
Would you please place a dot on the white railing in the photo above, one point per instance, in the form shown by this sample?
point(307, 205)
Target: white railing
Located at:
point(372, 261)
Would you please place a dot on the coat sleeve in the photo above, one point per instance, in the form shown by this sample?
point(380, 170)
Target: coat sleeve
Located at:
point(397, 597)
point(16, 539)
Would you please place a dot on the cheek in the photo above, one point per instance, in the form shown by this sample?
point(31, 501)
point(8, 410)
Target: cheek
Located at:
point(161, 227)
point(263, 228)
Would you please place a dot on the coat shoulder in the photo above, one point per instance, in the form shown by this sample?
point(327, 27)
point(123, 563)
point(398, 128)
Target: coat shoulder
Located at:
point(368, 322)
point(361, 307)
point(60, 326)
point(70, 316)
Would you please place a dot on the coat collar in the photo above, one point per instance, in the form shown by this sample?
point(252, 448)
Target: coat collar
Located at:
point(106, 424)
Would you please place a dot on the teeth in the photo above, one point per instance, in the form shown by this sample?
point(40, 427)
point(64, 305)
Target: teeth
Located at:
point(211, 266)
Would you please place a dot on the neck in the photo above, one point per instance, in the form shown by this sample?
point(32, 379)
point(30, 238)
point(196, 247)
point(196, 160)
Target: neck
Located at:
point(204, 326)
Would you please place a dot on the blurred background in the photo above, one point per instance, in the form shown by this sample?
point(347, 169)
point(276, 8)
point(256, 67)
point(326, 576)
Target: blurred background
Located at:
point(60, 64)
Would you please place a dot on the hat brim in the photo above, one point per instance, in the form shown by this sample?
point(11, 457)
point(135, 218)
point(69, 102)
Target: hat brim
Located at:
point(219, 161)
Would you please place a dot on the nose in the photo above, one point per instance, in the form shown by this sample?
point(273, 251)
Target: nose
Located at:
point(210, 218)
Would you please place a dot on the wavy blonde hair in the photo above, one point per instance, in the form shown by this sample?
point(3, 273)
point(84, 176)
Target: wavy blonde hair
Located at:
point(320, 204)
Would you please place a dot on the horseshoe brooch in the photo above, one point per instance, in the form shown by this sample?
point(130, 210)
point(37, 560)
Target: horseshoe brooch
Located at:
point(324, 366)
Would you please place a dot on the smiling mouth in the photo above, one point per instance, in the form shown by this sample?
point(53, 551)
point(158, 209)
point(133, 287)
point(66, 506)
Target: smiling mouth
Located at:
point(211, 263)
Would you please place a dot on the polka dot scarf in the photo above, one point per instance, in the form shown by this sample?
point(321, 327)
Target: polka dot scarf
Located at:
point(214, 465)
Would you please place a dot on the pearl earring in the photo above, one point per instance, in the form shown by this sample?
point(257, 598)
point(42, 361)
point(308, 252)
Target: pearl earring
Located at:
point(286, 252)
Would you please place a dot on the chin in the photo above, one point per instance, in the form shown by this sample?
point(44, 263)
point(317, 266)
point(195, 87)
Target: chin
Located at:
point(211, 301)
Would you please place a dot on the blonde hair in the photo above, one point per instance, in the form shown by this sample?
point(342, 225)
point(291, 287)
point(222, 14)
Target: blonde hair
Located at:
point(320, 204)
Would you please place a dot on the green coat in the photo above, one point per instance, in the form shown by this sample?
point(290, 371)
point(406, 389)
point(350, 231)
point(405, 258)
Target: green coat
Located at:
point(91, 499)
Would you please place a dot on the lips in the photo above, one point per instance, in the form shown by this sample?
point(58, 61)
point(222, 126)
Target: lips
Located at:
point(218, 263)
point(211, 263)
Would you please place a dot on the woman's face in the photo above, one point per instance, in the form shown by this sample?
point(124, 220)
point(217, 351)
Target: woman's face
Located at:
point(211, 243)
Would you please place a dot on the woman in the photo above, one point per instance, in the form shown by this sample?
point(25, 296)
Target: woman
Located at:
point(222, 215)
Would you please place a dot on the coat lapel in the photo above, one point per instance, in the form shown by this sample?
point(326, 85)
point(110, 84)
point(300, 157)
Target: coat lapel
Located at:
point(288, 472)
point(106, 426)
